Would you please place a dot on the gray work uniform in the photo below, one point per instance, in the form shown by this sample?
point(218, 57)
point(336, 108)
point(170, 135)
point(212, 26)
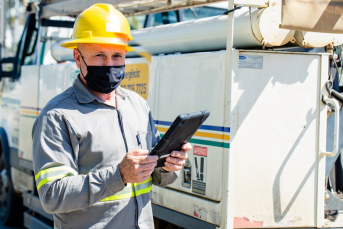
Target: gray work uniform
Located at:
point(78, 143)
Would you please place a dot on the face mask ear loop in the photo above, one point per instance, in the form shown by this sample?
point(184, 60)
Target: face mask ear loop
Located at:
point(83, 62)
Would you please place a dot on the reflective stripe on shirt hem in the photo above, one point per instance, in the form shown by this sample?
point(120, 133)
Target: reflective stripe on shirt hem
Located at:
point(131, 190)
point(127, 192)
point(143, 187)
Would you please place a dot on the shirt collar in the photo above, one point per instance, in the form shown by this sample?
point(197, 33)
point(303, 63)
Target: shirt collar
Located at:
point(83, 95)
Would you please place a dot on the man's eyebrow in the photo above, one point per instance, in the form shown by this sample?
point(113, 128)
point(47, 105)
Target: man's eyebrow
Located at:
point(102, 52)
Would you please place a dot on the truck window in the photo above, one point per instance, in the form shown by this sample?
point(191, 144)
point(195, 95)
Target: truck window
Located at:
point(137, 21)
point(26, 48)
point(30, 56)
point(14, 20)
point(201, 12)
point(164, 18)
point(55, 30)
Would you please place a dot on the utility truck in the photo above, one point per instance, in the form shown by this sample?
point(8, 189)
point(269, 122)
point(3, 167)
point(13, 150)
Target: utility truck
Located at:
point(269, 154)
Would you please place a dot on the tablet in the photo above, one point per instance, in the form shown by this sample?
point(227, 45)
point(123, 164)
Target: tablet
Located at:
point(180, 132)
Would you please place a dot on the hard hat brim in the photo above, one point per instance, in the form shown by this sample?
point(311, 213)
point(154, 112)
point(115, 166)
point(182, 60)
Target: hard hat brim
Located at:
point(96, 40)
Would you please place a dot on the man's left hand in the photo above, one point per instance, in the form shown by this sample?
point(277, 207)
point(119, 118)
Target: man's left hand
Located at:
point(177, 159)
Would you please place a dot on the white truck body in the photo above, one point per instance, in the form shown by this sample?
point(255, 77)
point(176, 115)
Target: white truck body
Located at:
point(277, 130)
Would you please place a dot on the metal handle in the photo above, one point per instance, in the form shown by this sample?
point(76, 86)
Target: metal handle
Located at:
point(336, 95)
point(336, 127)
point(187, 174)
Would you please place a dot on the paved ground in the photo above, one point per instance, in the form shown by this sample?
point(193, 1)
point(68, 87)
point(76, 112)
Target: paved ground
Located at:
point(5, 227)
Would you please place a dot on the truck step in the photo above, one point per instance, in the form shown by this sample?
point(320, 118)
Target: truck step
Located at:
point(333, 201)
point(340, 196)
point(32, 202)
point(31, 222)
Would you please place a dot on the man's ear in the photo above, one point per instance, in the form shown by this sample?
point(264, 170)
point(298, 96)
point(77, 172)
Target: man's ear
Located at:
point(77, 58)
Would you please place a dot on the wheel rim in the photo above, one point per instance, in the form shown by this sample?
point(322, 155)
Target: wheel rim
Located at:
point(4, 187)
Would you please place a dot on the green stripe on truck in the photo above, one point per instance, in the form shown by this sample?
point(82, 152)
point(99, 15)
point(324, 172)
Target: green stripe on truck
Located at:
point(209, 143)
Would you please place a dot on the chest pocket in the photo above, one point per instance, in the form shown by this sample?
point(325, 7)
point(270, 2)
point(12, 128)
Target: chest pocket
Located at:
point(145, 140)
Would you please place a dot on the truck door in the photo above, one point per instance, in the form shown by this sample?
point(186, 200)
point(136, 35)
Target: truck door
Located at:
point(26, 50)
point(18, 175)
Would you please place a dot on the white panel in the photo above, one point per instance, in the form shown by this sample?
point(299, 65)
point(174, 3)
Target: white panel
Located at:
point(203, 209)
point(54, 79)
point(322, 143)
point(277, 140)
point(190, 83)
point(229, 155)
point(28, 109)
point(22, 181)
point(10, 110)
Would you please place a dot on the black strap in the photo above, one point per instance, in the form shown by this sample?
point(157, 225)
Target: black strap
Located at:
point(232, 10)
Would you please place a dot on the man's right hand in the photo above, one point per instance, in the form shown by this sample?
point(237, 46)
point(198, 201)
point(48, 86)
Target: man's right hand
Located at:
point(137, 166)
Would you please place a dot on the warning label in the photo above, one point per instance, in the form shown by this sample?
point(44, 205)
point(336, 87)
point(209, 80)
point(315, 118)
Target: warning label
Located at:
point(200, 156)
point(198, 187)
point(200, 159)
point(251, 61)
point(201, 151)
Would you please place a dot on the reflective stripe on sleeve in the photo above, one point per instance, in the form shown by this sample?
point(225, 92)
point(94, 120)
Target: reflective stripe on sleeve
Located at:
point(129, 190)
point(46, 175)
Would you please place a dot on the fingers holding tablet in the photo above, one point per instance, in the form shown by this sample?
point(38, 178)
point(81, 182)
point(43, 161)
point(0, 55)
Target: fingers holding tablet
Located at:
point(177, 159)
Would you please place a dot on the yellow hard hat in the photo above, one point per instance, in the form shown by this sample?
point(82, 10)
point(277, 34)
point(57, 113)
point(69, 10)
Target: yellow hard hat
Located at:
point(100, 23)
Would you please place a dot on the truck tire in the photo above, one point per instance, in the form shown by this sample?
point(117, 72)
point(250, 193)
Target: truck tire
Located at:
point(11, 205)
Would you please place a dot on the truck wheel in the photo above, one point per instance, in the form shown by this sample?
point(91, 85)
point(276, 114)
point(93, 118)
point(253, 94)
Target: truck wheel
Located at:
point(11, 207)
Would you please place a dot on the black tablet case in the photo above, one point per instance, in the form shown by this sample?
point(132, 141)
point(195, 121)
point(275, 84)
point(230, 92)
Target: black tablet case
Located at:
point(180, 132)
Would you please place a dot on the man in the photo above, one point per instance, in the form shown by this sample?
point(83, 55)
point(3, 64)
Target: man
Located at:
point(90, 143)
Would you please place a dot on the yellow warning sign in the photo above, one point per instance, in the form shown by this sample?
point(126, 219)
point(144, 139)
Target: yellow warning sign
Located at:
point(137, 79)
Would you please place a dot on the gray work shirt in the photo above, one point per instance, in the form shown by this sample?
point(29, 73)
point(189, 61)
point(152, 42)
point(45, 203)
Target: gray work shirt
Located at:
point(78, 143)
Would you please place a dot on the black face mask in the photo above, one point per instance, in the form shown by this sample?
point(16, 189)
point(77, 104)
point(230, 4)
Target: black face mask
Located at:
point(103, 79)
